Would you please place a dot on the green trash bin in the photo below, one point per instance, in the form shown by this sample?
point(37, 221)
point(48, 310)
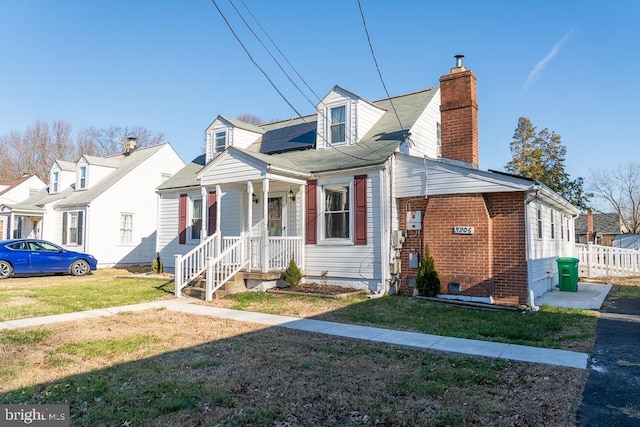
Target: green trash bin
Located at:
point(568, 274)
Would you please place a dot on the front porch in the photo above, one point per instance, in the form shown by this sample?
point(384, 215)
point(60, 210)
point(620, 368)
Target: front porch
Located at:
point(251, 226)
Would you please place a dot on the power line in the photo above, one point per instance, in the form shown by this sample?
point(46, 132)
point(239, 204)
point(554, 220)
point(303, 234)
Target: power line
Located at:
point(351, 130)
point(364, 23)
point(273, 84)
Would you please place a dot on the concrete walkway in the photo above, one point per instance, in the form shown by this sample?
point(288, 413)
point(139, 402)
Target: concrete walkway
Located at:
point(463, 346)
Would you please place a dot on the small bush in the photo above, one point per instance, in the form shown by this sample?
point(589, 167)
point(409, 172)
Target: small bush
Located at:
point(427, 279)
point(292, 275)
point(157, 266)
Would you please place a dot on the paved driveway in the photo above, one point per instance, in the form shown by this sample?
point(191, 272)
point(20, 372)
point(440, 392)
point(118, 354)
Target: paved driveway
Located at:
point(612, 392)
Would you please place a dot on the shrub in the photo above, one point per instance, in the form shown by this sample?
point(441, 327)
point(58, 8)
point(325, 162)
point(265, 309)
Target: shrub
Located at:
point(427, 279)
point(292, 275)
point(157, 266)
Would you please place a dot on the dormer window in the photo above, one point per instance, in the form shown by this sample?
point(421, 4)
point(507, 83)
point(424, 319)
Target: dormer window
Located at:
point(220, 141)
point(56, 177)
point(83, 177)
point(338, 125)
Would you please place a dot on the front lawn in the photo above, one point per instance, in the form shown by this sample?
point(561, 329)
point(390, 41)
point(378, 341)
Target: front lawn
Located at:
point(551, 327)
point(163, 368)
point(23, 297)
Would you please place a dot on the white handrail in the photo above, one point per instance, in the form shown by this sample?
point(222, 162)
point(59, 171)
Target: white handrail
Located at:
point(193, 263)
point(223, 267)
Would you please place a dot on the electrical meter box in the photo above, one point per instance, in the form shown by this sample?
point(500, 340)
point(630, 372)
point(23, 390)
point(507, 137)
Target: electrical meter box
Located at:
point(414, 259)
point(414, 220)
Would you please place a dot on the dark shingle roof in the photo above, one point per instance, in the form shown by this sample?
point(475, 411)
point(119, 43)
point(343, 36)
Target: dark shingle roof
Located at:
point(602, 224)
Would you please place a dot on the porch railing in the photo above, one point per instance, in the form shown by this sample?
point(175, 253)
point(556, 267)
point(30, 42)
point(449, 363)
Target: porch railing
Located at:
point(607, 261)
point(222, 268)
point(189, 266)
point(279, 252)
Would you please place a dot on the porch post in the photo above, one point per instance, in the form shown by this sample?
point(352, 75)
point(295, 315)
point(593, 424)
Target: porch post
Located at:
point(205, 213)
point(218, 242)
point(12, 220)
point(303, 226)
point(265, 228)
point(248, 222)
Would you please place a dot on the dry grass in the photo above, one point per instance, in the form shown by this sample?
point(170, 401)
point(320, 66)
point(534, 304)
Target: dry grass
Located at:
point(128, 370)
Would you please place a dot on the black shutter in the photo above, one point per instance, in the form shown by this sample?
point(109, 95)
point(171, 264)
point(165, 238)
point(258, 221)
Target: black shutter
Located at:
point(80, 227)
point(64, 228)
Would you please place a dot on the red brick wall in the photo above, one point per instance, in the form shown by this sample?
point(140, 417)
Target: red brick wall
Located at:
point(490, 262)
point(510, 253)
point(459, 115)
point(466, 259)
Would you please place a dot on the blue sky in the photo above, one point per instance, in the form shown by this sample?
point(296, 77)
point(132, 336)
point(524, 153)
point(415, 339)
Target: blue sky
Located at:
point(173, 66)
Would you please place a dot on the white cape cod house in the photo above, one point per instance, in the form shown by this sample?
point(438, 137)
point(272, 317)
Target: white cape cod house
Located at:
point(354, 191)
point(105, 206)
point(12, 192)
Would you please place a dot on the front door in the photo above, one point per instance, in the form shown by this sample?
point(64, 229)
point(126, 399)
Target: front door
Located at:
point(275, 219)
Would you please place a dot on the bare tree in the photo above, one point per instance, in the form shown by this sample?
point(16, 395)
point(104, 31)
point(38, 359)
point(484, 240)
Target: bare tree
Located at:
point(110, 140)
point(250, 118)
point(34, 151)
point(619, 189)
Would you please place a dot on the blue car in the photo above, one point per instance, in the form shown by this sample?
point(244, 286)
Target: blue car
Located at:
point(33, 256)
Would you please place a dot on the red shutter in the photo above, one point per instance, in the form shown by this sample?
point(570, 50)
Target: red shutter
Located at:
point(360, 208)
point(312, 213)
point(182, 215)
point(212, 215)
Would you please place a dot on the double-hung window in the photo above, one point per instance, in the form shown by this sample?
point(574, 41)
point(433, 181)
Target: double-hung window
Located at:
point(438, 140)
point(56, 177)
point(338, 125)
point(126, 228)
point(83, 177)
point(539, 218)
point(72, 227)
point(196, 219)
point(220, 141)
point(553, 224)
point(337, 209)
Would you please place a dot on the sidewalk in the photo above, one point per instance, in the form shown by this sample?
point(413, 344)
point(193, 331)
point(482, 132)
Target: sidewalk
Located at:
point(409, 339)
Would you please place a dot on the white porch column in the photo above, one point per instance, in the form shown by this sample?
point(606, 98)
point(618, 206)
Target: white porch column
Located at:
point(218, 217)
point(11, 226)
point(265, 228)
point(248, 222)
point(205, 213)
point(302, 215)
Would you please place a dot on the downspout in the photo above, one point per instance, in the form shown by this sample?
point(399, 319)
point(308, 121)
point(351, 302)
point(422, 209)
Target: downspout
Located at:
point(385, 223)
point(532, 305)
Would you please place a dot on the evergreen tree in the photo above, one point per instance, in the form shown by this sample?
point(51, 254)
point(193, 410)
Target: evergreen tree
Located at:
point(541, 155)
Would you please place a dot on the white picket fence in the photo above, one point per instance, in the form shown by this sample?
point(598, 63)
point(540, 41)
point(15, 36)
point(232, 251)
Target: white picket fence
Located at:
point(607, 261)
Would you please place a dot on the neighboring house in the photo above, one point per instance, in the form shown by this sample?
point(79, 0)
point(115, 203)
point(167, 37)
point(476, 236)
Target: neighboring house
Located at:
point(600, 229)
point(627, 241)
point(12, 224)
point(354, 191)
point(105, 206)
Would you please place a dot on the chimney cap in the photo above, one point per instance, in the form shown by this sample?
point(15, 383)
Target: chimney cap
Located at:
point(459, 67)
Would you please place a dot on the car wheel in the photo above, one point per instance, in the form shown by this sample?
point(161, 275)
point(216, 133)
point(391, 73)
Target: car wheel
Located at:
point(80, 268)
point(6, 270)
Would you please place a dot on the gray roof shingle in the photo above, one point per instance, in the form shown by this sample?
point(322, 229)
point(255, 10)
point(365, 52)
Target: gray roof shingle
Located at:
point(602, 224)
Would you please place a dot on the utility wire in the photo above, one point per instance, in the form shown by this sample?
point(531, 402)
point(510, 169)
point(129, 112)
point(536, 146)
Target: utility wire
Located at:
point(364, 23)
point(352, 131)
point(274, 85)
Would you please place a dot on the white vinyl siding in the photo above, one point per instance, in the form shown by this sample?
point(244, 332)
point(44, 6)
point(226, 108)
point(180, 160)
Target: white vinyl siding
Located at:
point(424, 131)
point(230, 169)
point(366, 115)
point(352, 265)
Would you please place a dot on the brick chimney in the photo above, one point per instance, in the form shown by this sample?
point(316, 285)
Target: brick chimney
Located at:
point(590, 234)
point(459, 114)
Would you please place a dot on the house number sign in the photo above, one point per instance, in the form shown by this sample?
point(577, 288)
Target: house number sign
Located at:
point(463, 230)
